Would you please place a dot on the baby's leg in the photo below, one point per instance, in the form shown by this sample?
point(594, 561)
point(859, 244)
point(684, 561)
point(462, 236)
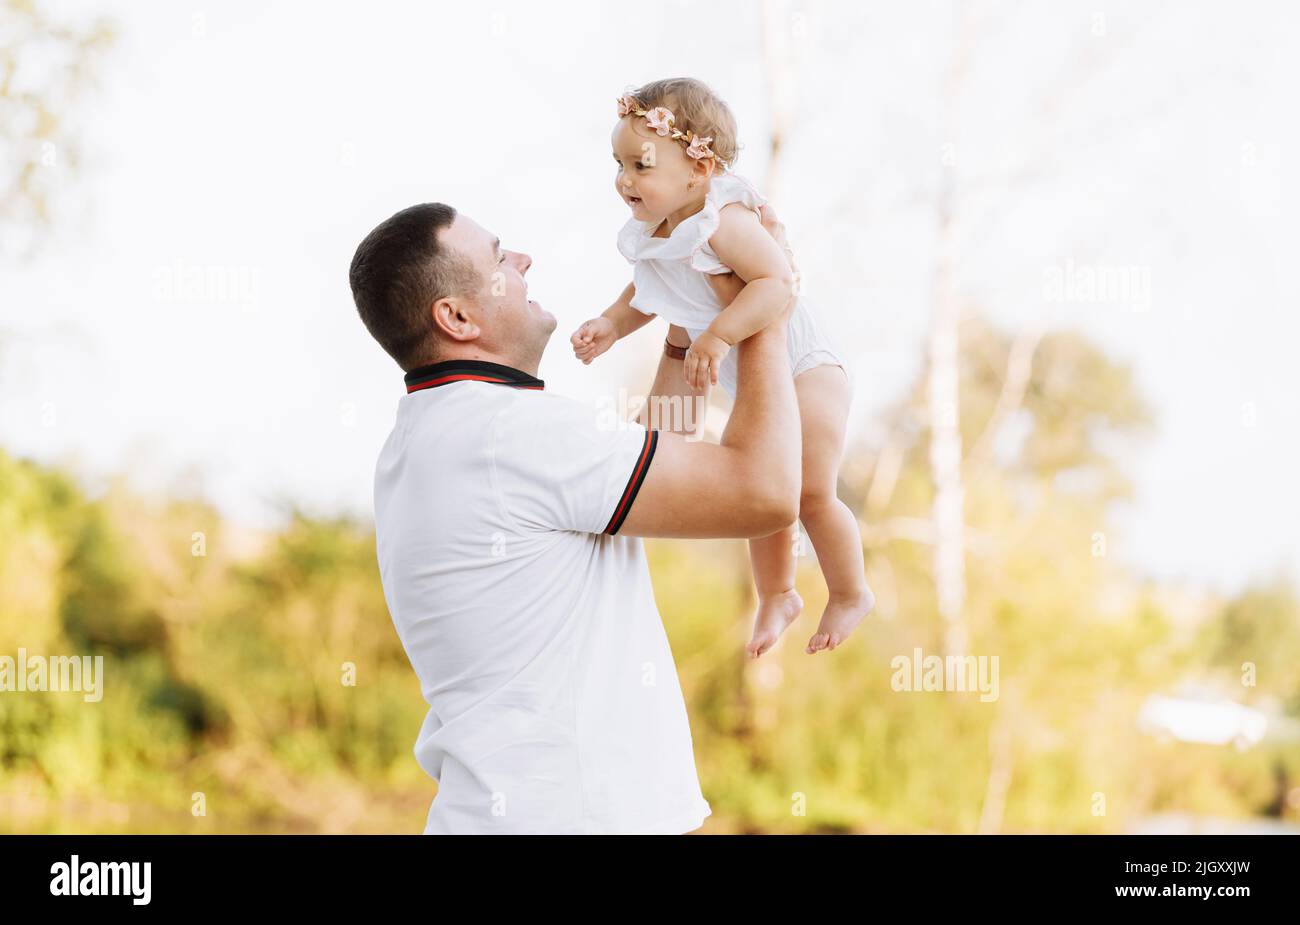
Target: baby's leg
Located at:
point(772, 558)
point(824, 396)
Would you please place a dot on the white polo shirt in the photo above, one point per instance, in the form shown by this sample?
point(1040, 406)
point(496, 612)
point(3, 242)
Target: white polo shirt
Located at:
point(554, 704)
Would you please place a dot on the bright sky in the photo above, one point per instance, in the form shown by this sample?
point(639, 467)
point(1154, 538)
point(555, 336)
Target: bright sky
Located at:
point(255, 144)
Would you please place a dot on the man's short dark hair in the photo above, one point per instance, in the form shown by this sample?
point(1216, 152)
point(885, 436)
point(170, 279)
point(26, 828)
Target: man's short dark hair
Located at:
point(399, 271)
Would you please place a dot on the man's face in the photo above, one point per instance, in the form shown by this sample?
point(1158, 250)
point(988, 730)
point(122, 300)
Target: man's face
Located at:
point(510, 323)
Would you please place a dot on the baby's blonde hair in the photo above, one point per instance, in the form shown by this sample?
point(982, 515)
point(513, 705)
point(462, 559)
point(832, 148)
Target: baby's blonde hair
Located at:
point(696, 109)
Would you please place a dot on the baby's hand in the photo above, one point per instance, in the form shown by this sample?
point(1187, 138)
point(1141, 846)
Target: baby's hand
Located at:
point(593, 338)
point(703, 360)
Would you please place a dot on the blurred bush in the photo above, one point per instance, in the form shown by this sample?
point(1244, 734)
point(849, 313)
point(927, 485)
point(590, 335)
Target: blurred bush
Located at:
point(226, 655)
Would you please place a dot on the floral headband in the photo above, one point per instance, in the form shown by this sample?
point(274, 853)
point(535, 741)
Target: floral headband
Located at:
point(661, 120)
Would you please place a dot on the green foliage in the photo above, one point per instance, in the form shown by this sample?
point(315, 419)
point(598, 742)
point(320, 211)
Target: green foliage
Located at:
point(227, 657)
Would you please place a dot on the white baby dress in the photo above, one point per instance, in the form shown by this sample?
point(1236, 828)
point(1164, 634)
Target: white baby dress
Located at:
point(668, 276)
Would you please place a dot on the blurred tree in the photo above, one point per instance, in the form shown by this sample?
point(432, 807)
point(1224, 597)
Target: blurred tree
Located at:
point(46, 69)
point(1078, 648)
point(1260, 629)
point(960, 204)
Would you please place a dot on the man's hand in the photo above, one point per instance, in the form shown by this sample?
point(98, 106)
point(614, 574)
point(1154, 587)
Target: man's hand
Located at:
point(593, 338)
point(703, 360)
point(726, 286)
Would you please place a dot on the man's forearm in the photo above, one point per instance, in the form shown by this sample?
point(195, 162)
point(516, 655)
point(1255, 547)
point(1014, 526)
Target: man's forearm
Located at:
point(671, 392)
point(764, 424)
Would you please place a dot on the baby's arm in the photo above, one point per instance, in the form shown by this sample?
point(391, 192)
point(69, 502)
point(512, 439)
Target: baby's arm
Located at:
point(743, 244)
point(596, 336)
point(626, 318)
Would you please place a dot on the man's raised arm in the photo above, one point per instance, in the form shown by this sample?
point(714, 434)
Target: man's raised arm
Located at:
point(748, 485)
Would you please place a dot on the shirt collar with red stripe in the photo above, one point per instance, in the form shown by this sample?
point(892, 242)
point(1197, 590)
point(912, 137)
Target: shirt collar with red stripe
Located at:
point(448, 371)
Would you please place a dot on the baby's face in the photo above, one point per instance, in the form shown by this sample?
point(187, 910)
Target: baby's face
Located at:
point(652, 171)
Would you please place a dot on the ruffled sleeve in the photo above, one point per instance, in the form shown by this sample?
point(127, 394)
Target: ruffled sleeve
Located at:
point(637, 241)
point(629, 239)
point(723, 190)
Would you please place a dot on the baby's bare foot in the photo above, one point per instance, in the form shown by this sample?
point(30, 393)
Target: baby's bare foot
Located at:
point(841, 616)
point(775, 613)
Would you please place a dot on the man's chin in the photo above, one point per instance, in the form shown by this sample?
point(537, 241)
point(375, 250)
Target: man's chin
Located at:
point(546, 317)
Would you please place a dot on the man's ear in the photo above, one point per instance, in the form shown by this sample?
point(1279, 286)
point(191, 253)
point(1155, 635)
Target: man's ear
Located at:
point(451, 316)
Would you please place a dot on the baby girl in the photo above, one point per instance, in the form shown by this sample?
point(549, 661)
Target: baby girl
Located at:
point(692, 217)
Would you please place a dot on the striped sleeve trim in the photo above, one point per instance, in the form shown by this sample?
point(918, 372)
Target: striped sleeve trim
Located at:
point(634, 483)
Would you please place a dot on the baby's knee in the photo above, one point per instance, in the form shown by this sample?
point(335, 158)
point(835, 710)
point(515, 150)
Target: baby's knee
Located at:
point(816, 499)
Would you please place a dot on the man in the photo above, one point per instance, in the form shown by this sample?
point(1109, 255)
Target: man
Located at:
point(507, 531)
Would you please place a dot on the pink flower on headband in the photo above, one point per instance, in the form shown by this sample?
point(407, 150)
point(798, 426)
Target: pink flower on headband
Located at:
point(699, 147)
point(660, 119)
point(626, 104)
